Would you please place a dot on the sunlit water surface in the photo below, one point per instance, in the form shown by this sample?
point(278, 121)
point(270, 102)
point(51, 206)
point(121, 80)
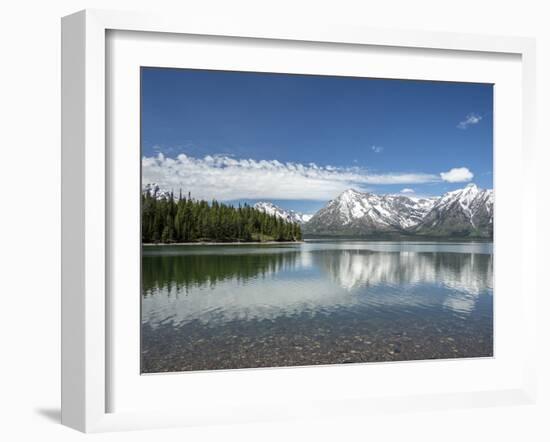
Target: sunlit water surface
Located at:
point(238, 306)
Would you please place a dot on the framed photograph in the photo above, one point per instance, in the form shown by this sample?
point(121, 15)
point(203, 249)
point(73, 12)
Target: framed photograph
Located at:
point(251, 212)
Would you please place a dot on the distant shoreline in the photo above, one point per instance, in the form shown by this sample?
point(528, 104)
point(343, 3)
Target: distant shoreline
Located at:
point(329, 239)
point(228, 243)
point(399, 238)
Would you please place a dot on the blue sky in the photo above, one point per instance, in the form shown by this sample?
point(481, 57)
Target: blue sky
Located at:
point(299, 140)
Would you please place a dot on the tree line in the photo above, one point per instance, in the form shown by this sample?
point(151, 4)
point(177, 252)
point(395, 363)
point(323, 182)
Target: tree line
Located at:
point(166, 219)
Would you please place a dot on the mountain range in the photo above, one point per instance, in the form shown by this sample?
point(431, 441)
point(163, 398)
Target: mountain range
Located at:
point(466, 212)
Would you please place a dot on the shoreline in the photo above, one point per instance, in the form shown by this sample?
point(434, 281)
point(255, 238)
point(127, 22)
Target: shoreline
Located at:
point(328, 239)
point(229, 243)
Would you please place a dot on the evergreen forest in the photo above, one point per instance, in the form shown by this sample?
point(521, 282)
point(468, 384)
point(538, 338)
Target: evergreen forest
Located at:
point(166, 219)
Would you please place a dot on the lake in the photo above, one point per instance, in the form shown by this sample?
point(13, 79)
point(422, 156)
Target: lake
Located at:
point(208, 307)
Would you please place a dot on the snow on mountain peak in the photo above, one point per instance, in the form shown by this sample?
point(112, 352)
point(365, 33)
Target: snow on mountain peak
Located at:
point(471, 204)
point(390, 211)
point(350, 192)
point(287, 215)
point(154, 190)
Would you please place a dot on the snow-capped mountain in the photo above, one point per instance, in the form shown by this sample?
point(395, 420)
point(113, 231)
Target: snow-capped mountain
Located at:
point(155, 190)
point(354, 212)
point(287, 215)
point(464, 212)
point(467, 211)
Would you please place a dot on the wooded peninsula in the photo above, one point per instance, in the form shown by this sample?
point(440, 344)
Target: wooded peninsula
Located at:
point(166, 219)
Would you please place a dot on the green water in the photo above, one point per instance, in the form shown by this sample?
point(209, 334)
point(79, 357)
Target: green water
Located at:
point(237, 306)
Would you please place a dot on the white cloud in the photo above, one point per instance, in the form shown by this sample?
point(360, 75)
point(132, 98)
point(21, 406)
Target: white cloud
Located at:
point(407, 190)
point(469, 120)
point(377, 149)
point(457, 175)
point(226, 178)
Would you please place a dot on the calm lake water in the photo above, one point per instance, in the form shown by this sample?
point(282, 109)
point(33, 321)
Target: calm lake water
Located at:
point(221, 307)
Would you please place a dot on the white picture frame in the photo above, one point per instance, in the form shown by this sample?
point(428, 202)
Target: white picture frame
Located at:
point(86, 316)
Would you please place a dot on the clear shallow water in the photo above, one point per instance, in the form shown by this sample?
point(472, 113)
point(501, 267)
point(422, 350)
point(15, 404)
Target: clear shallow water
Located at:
point(213, 307)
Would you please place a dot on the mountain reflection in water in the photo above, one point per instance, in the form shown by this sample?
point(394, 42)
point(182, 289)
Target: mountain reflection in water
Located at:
point(263, 283)
point(236, 306)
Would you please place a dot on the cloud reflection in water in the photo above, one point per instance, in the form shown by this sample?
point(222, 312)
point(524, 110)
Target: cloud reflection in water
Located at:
point(224, 284)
